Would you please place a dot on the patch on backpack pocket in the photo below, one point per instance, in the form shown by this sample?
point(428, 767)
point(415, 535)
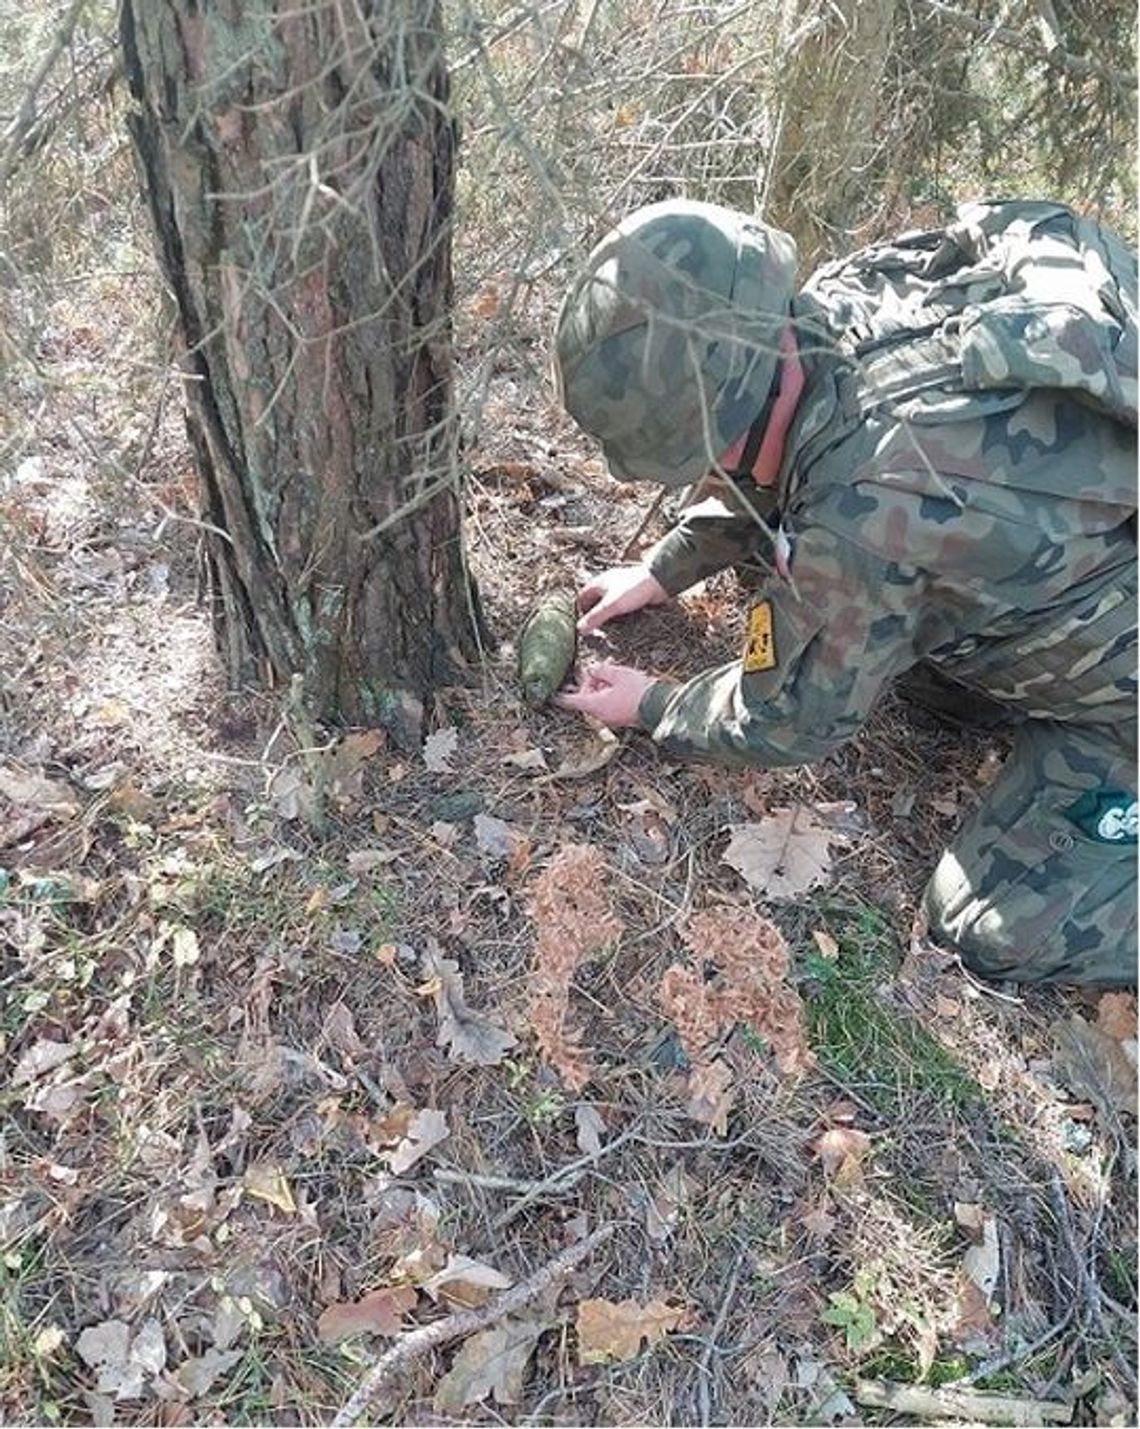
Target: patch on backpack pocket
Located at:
point(1110, 816)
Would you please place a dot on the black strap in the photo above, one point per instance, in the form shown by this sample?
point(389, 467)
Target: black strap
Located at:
point(752, 443)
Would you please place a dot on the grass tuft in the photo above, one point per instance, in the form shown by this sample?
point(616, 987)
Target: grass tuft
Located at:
point(877, 1049)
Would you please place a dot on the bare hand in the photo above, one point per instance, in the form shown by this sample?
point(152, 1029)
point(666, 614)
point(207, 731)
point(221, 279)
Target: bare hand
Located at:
point(609, 692)
point(618, 591)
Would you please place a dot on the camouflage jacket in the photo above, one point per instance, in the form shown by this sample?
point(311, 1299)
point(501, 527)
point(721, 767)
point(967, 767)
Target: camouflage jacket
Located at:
point(989, 531)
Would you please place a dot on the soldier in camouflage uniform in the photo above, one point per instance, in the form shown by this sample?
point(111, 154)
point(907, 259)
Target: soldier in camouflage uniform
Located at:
point(929, 451)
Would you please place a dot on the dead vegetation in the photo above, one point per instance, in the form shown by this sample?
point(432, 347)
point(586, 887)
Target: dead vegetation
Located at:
point(278, 1102)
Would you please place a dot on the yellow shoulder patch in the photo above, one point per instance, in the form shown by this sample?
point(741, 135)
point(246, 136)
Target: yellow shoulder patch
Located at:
point(760, 646)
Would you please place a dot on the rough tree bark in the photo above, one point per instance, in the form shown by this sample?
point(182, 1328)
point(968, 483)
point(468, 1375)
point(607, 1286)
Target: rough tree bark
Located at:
point(298, 162)
point(821, 165)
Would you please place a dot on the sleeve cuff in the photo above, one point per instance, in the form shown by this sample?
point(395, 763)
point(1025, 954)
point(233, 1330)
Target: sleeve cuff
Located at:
point(653, 703)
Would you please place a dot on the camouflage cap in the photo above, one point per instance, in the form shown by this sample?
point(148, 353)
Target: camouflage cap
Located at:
point(666, 343)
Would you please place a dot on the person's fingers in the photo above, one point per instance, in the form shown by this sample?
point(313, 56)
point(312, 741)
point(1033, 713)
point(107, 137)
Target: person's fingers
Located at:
point(578, 700)
point(590, 595)
point(597, 615)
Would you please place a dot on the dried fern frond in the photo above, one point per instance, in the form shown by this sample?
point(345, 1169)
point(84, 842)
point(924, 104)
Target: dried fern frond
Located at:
point(753, 958)
point(574, 919)
point(685, 1001)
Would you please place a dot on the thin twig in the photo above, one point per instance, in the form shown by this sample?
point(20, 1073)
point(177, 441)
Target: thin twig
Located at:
point(464, 1322)
point(1016, 1356)
point(1055, 57)
point(651, 511)
point(562, 1180)
point(704, 1369)
point(452, 1176)
point(25, 117)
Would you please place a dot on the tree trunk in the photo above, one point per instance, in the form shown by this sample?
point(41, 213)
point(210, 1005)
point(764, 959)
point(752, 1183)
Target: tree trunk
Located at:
point(822, 166)
point(298, 161)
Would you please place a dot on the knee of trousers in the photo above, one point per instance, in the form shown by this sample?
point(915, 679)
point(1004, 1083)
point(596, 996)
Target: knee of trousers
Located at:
point(1038, 902)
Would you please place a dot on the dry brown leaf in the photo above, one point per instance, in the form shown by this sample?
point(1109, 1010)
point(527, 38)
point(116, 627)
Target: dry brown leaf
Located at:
point(842, 1150)
point(491, 1363)
point(590, 758)
point(973, 1321)
point(485, 305)
point(465, 1281)
point(590, 1128)
point(389, 1130)
point(782, 855)
point(440, 749)
point(1116, 1015)
point(42, 1056)
point(366, 860)
point(342, 767)
point(341, 1034)
point(981, 1263)
point(267, 1182)
point(710, 1095)
point(1094, 1065)
point(496, 837)
point(828, 947)
point(124, 1361)
point(663, 1210)
point(380, 1312)
point(614, 1331)
point(819, 1221)
point(467, 1035)
point(34, 801)
point(971, 1216)
point(427, 1129)
point(198, 1374)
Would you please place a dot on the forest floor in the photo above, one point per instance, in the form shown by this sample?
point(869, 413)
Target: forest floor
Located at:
point(273, 1098)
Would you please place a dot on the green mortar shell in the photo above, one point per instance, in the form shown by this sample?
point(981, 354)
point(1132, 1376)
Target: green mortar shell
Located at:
point(547, 646)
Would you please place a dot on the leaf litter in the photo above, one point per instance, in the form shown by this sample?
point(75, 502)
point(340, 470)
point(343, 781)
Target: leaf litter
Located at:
point(184, 1199)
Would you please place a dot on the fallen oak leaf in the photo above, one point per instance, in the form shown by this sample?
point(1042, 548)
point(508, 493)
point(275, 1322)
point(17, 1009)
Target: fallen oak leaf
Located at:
point(266, 1182)
point(1116, 1015)
point(496, 837)
point(426, 1129)
point(465, 1281)
point(35, 801)
point(1094, 1065)
point(467, 1035)
point(590, 758)
point(982, 1262)
point(439, 750)
point(198, 1374)
point(782, 855)
point(380, 1312)
point(123, 1360)
point(42, 1056)
point(590, 1128)
point(609, 1330)
point(710, 1095)
point(842, 1150)
point(491, 1363)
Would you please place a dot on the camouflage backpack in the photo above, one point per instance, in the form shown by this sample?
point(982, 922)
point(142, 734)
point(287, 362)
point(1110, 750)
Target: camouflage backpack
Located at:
point(1016, 296)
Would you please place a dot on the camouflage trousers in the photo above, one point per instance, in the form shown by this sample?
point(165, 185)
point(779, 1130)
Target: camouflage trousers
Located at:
point(1040, 884)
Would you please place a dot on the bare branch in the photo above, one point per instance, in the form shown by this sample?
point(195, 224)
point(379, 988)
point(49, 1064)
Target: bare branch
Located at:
point(462, 1323)
point(25, 117)
point(1054, 56)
